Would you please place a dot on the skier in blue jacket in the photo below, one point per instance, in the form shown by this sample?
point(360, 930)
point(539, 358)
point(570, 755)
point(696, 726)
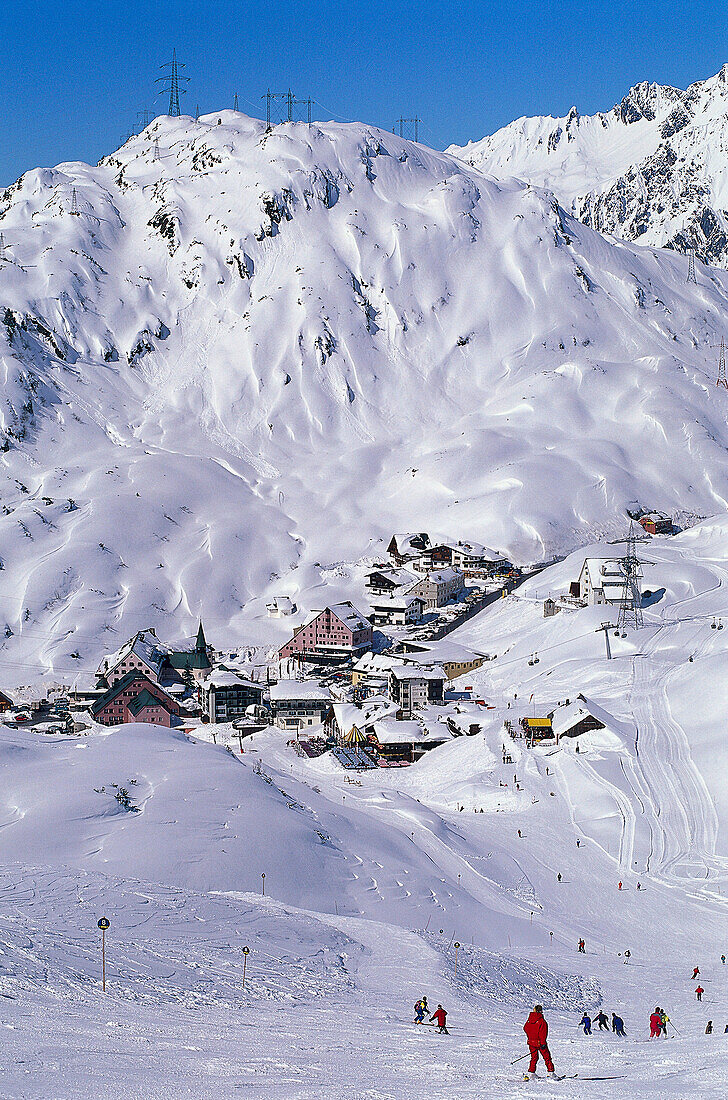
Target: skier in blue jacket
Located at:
point(586, 1023)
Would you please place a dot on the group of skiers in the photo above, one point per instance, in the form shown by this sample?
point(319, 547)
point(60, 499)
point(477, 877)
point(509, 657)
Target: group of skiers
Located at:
point(439, 1016)
point(602, 1019)
point(658, 1023)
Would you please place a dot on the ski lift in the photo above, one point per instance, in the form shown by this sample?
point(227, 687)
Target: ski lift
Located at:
point(713, 625)
point(625, 634)
point(531, 660)
point(535, 658)
point(720, 624)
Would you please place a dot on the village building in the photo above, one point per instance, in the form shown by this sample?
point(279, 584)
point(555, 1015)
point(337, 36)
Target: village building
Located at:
point(162, 664)
point(656, 523)
point(470, 557)
point(601, 580)
point(397, 610)
point(281, 606)
point(412, 688)
point(226, 695)
point(386, 582)
point(114, 708)
point(405, 547)
point(372, 669)
point(405, 741)
point(438, 587)
point(335, 634)
point(550, 608)
point(536, 729)
point(6, 703)
point(577, 717)
point(297, 704)
point(455, 659)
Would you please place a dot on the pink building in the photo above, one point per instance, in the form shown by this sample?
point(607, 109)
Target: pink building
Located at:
point(135, 698)
point(337, 632)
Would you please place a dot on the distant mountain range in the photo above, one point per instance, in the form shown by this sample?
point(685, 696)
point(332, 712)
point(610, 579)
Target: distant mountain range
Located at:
point(653, 170)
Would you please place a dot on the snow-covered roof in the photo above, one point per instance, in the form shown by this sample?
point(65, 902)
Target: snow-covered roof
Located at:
point(443, 576)
point(471, 549)
point(567, 716)
point(146, 645)
point(396, 603)
point(604, 572)
point(225, 678)
point(416, 672)
point(397, 577)
point(389, 731)
point(348, 614)
point(441, 651)
point(299, 689)
point(281, 603)
point(376, 662)
point(404, 542)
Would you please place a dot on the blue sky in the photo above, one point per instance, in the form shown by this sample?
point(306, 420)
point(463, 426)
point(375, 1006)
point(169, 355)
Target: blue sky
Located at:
point(75, 75)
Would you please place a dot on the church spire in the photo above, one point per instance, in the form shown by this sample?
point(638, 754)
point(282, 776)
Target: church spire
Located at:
point(201, 644)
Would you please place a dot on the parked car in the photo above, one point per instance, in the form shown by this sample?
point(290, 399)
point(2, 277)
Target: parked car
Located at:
point(22, 716)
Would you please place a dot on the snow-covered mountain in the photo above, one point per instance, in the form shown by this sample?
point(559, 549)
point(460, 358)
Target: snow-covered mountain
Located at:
point(232, 356)
point(654, 169)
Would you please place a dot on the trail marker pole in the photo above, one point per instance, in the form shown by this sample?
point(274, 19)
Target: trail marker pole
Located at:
point(457, 945)
point(246, 952)
point(263, 878)
point(103, 925)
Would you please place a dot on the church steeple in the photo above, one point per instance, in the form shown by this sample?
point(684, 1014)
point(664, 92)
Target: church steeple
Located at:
point(201, 644)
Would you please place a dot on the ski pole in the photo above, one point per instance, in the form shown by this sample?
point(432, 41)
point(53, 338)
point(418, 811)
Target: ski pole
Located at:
point(521, 1058)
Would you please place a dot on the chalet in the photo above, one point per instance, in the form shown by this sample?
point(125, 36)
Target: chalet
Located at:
point(385, 582)
point(656, 523)
point(412, 687)
point(281, 606)
point(470, 557)
point(6, 703)
point(581, 716)
point(115, 706)
point(438, 587)
point(334, 634)
point(405, 741)
point(601, 581)
point(397, 610)
point(299, 703)
point(455, 659)
point(225, 695)
point(160, 663)
point(404, 548)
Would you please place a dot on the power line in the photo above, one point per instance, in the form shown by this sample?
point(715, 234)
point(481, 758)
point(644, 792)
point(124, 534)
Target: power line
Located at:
point(407, 127)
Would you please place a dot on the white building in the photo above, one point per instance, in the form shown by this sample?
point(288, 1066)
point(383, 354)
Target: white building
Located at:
point(397, 610)
point(297, 704)
point(224, 696)
point(413, 688)
point(280, 606)
point(438, 587)
point(601, 581)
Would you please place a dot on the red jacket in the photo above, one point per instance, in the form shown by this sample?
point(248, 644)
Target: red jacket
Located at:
point(700, 989)
point(655, 1022)
point(440, 1015)
point(536, 1029)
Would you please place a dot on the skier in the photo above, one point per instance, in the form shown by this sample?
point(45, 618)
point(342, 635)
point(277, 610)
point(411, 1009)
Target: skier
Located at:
point(665, 1020)
point(578, 843)
point(627, 956)
point(537, 1031)
point(582, 947)
point(420, 1010)
point(699, 991)
point(722, 959)
point(586, 1023)
point(441, 1016)
point(655, 1024)
point(619, 886)
point(558, 877)
point(696, 972)
point(602, 1020)
point(617, 1025)
point(709, 1027)
point(725, 1031)
point(639, 885)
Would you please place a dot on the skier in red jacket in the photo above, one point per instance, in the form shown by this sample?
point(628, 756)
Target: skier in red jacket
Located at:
point(441, 1016)
point(655, 1024)
point(537, 1031)
point(699, 992)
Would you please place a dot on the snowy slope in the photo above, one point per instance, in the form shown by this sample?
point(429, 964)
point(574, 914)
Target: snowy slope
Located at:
point(390, 873)
point(654, 169)
point(255, 354)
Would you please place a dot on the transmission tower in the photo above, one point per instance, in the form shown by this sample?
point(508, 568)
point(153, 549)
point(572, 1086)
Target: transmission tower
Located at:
point(407, 128)
point(3, 256)
point(171, 82)
point(289, 102)
point(74, 203)
point(235, 102)
point(691, 267)
point(630, 604)
point(143, 118)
